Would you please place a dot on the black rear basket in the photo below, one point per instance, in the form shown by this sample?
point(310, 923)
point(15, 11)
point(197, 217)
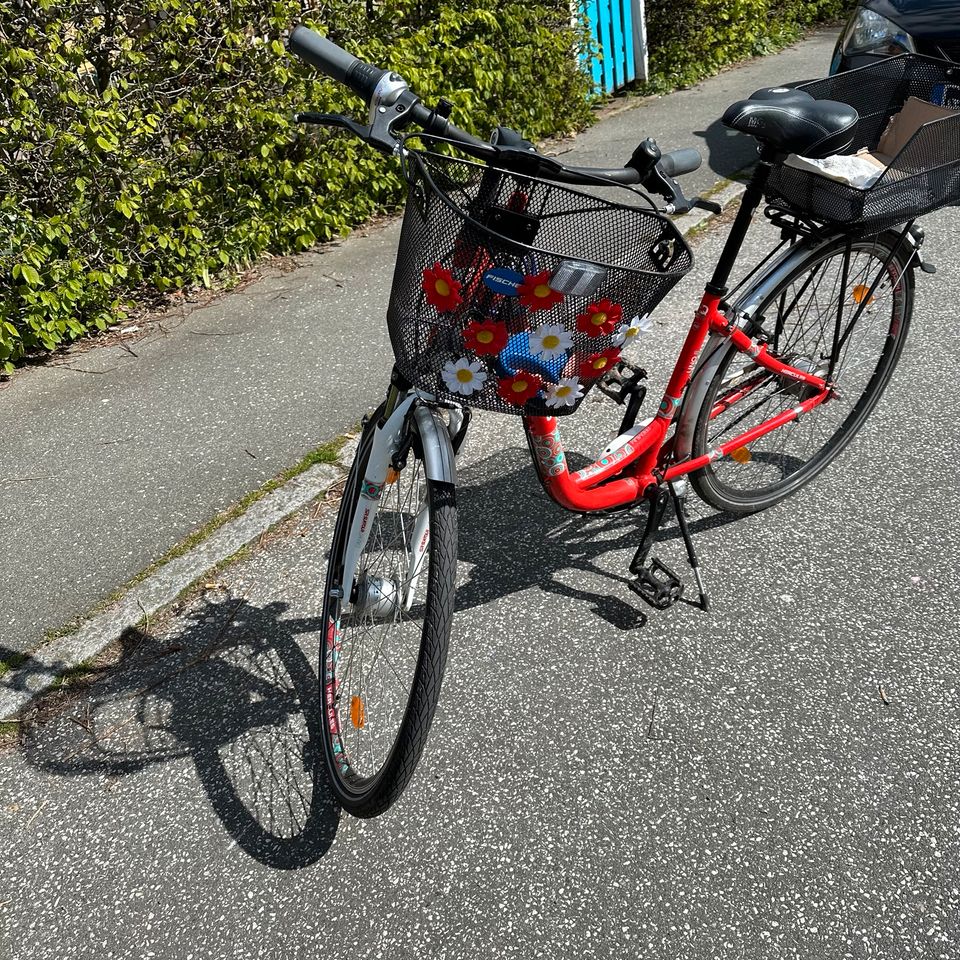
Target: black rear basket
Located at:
point(516, 294)
point(925, 173)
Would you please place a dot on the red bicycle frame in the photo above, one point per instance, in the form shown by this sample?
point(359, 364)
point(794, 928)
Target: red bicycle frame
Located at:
point(629, 472)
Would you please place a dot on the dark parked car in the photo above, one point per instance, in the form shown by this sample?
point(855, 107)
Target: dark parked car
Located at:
point(885, 28)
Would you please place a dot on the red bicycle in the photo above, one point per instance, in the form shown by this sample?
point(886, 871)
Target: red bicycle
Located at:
point(515, 293)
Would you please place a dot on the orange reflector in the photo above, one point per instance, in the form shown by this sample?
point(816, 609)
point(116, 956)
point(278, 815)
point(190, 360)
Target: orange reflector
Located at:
point(392, 475)
point(741, 455)
point(358, 715)
point(860, 293)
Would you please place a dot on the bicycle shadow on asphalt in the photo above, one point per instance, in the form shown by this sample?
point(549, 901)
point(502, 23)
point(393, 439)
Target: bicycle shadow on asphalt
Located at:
point(230, 690)
point(515, 538)
point(727, 152)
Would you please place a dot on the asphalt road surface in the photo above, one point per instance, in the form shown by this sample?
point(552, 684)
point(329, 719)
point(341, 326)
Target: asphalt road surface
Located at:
point(775, 778)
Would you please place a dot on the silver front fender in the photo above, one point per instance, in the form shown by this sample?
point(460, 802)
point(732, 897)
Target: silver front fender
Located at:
point(439, 460)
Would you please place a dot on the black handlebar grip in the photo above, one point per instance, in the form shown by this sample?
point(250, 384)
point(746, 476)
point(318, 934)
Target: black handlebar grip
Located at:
point(362, 78)
point(678, 162)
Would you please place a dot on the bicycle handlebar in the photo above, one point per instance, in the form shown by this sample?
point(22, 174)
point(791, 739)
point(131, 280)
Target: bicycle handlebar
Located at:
point(439, 126)
point(365, 80)
point(432, 123)
point(678, 162)
point(362, 78)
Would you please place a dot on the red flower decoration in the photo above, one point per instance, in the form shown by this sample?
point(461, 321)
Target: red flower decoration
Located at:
point(536, 293)
point(485, 336)
point(519, 388)
point(441, 289)
point(598, 363)
point(600, 318)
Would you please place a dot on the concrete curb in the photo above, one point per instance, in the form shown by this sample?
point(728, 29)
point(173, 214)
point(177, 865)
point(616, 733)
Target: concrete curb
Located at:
point(45, 665)
point(51, 661)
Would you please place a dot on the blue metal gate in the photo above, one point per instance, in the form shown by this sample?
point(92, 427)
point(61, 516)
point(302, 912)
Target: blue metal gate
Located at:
point(618, 28)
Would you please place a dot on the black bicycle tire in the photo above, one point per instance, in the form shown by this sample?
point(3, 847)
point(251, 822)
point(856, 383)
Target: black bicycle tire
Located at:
point(380, 791)
point(705, 481)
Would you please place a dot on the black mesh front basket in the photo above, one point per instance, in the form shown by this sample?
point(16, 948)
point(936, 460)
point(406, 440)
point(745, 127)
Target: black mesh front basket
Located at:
point(515, 294)
point(923, 176)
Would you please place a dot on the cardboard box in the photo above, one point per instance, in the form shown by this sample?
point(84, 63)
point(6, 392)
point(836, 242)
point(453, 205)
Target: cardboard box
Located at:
point(903, 125)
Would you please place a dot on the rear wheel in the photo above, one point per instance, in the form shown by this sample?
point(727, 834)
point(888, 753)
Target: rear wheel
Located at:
point(800, 318)
point(385, 647)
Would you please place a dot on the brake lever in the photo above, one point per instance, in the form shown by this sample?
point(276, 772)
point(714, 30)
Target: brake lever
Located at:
point(684, 204)
point(670, 190)
point(710, 205)
point(379, 132)
point(334, 120)
point(656, 181)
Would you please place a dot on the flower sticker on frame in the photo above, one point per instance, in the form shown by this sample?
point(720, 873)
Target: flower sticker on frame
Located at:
point(463, 376)
point(563, 393)
point(485, 337)
point(536, 293)
point(599, 363)
point(519, 388)
point(441, 289)
point(550, 341)
point(600, 318)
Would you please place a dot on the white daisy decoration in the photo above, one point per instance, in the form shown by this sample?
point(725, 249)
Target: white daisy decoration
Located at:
point(564, 393)
point(464, 376)
point(549, 341)
point(631, 330)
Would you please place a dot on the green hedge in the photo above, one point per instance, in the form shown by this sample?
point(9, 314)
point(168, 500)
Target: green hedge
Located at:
point(148, 143)
point(692, 39)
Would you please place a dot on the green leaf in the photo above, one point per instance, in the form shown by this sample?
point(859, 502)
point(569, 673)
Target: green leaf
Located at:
point(188, 161)
point(23, 271)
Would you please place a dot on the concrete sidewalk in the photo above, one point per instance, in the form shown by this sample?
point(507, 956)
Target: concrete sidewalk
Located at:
point(114, 454)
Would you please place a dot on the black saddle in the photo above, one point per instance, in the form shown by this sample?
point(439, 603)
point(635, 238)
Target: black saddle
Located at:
point(793, 122)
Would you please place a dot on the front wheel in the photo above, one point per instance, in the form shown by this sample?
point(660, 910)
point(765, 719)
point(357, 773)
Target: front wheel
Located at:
point(385, 647)
point(808, 321)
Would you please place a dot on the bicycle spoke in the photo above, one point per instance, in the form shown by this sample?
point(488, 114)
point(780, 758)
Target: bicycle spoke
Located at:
point(819, 323)
point(379, 650)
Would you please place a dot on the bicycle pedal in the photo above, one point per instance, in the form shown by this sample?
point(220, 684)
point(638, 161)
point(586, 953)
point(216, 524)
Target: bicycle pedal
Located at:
point(657, 584)
point(622, 380)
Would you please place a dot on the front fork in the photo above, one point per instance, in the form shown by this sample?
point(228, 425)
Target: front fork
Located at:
point(386, 442)
point(439, 441)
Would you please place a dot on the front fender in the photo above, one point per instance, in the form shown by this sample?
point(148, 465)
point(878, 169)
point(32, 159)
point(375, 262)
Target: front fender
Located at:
point(439, 460)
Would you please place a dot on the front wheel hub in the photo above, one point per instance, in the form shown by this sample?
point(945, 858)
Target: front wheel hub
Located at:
point(377, 597)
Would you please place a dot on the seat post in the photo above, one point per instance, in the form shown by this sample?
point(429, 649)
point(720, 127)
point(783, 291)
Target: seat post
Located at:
point(752, 198)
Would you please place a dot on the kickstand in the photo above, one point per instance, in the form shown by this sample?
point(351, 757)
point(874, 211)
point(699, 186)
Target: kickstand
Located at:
point(655, 582)
point(679, 510)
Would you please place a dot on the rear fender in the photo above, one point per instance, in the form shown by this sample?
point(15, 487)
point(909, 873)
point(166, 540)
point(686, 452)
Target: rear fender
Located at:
point(743, 310)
